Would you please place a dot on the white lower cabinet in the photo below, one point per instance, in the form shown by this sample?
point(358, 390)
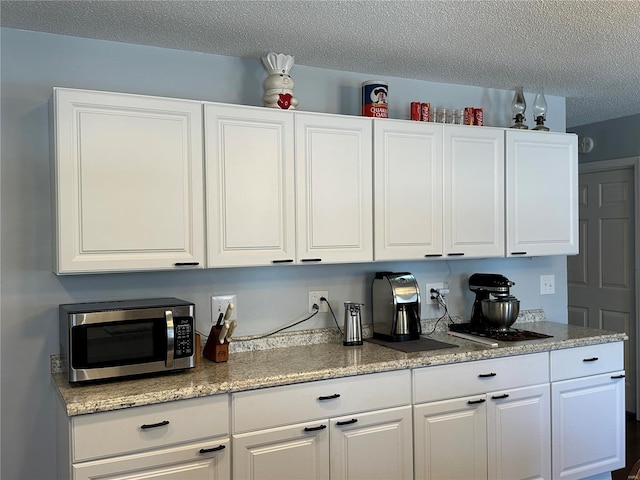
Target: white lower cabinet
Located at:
point(348, 428)
point(444, 429)
point(294, 452)
point(180, 440)
point(197, 461)
point(518, 433)
point(588, 418)
point(489, 410)
point(372, 445)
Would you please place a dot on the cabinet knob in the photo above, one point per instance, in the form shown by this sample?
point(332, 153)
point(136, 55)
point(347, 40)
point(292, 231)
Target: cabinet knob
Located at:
point(475, 402)
point(616, 377)
point(592, 359)
point(289, 260)
point(498, 397)
point(487, 375)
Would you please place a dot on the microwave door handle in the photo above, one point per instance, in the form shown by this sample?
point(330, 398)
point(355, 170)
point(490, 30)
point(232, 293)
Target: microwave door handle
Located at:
point(168, 316)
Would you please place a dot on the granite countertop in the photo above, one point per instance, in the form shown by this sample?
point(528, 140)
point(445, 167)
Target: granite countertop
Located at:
point(249, 370)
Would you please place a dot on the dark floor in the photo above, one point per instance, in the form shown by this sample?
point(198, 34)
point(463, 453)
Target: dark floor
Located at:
point(633, 449)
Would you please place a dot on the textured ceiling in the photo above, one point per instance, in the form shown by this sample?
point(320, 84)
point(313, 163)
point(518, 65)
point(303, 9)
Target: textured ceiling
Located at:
point(586, 51)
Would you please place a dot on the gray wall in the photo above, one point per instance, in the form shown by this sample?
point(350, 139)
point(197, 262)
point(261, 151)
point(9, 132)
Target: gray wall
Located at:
point(616, 138)
point(33, 63)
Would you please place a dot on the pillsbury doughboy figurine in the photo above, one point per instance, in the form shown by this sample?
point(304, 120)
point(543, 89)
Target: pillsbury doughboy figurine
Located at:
point(278, 86)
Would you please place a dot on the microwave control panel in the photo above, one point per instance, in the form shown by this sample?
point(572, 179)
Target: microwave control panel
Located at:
point(183, 337)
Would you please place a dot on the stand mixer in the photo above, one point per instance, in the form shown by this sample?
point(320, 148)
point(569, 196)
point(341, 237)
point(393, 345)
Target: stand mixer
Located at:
point(486, 285)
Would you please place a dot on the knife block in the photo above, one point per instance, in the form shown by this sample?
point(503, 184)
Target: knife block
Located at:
point(213, 349)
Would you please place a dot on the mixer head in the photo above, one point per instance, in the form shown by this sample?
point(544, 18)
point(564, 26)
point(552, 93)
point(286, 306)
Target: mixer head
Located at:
point(490, 283)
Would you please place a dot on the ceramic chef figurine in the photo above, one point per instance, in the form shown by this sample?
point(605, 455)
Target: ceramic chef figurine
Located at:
point(278, 86)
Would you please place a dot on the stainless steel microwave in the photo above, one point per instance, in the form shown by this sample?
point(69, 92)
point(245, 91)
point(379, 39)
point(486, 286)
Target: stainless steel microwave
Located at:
point(104, 340)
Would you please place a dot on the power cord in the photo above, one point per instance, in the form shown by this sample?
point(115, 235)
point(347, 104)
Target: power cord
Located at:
point(322, 299)
point(316, 309)
point(440, 299)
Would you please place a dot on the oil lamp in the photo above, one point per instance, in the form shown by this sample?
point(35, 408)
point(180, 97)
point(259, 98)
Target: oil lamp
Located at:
point(539, 112)
point(518, 107)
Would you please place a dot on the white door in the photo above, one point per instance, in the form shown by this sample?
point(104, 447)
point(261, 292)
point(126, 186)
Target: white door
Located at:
point(128, 183)
point(541, 193)
point(294, 452)
point(250, 186)
point(450, 439)
point(473, 192)
point(408, 190)
point(203, 461)
point(373, 445)
point(334, 188)
point(588, 426)
point(601, 282)
point(519, 433)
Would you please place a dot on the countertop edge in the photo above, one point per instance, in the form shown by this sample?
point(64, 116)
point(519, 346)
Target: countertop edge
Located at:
point(78, 401)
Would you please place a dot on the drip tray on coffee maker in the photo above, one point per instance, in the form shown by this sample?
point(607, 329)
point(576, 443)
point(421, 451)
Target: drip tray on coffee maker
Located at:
point(421, 345)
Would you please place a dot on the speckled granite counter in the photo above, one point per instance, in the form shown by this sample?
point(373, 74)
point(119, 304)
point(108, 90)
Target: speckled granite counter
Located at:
point(281, 366)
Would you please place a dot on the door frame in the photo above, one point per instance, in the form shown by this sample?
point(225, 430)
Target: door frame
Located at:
point(634, 164)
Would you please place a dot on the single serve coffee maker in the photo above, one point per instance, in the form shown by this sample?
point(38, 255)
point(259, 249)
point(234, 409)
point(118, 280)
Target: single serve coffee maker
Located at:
point(396, 307)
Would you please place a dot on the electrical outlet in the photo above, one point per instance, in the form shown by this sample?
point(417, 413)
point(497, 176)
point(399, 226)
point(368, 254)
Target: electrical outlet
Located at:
point(219, 304)
point(314, 299)
point(427, 300)
point(547, 284)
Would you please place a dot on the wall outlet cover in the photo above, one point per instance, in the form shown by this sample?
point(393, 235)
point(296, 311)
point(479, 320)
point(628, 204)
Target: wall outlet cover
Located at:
point(219, 304)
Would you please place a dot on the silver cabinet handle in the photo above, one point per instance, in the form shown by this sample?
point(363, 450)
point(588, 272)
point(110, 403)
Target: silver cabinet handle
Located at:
point(168, 316)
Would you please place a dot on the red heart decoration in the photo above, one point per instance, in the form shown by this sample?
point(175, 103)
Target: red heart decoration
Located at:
point(284, 102)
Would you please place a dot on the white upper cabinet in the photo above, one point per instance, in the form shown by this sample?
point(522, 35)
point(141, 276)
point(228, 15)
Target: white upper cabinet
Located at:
point(439, 191)
point(130, 176)
point(542, 193)
point(334, 188)
point(473, 191)
point(250, 185)
point(408, 189)
point(128, 183)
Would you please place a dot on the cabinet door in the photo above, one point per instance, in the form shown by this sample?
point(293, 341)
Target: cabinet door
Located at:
point(128, 183)
point(295, 452)
point(374, 445)
point(202, 461)
point(473, 191)
point(408, 190)
point(334, 188)
point(451, 439)
point(250, 186)
point(542, 193)
point(519, 433)
point(588, 421)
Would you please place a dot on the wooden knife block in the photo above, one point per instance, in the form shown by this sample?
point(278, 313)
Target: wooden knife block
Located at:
point(213, 349)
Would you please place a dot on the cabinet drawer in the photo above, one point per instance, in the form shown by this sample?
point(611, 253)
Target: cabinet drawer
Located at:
point(588, 360)
point(142, 428)
point(276, 406)
point(471, 378)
